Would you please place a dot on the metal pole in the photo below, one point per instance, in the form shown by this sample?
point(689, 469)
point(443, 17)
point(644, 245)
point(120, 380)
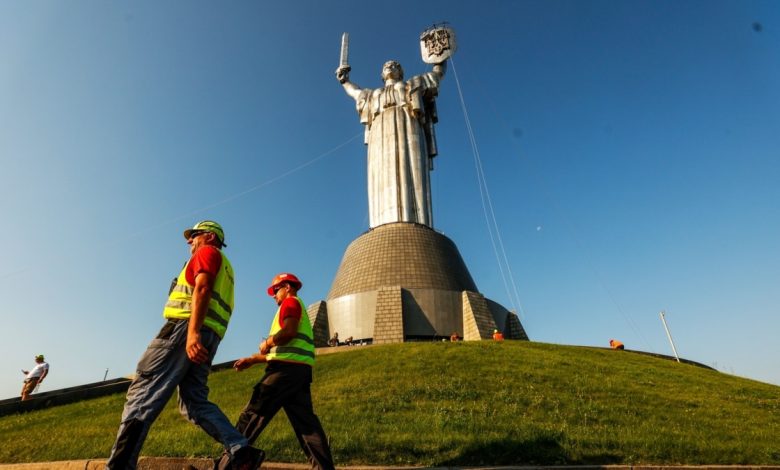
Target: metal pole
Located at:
point(105, 375)
point(668, 334)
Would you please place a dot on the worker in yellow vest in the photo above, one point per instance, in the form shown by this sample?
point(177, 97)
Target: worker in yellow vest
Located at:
point(289, 356)
point(200, 302)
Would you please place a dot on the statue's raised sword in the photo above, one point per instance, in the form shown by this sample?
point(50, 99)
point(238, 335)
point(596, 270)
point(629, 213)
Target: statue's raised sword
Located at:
point(343, 60)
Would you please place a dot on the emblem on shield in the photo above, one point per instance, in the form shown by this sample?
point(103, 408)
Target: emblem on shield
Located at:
point(437, 44)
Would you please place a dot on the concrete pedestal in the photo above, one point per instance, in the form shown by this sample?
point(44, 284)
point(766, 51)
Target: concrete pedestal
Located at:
point(406, 282)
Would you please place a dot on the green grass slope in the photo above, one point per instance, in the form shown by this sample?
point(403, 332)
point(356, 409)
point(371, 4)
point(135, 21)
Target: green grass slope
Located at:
point(453, 404)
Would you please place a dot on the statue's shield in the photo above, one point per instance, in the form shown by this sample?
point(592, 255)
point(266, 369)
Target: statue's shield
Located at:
point(437, 44)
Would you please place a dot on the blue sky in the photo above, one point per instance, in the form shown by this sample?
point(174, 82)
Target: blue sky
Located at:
point(630, 149)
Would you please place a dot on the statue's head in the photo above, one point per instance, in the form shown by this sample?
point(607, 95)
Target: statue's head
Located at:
point(392, 69)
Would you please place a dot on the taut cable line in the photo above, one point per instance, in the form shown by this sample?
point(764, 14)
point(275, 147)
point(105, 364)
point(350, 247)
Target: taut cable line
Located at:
point(248, 190)
point(487, 207)
point(227, 199)
point(571, 229)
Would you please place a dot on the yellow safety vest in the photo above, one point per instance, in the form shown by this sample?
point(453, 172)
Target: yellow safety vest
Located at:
point(220, 307)
point(301, 348)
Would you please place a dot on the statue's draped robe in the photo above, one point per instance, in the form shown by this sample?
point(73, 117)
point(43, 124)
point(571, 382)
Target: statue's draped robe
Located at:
point(401, 144)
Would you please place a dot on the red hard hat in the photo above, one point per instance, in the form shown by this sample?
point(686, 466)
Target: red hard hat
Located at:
point(284, 277)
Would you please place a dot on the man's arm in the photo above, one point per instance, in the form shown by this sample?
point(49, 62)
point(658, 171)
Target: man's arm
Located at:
point(247, 362)
point(285, 335)
point(200, 305)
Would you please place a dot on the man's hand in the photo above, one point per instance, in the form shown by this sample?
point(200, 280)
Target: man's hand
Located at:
point(243, 363)
point(247, 362)
point(195, 351)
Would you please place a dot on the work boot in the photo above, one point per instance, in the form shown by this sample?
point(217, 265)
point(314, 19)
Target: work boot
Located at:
point(222, 462)
point(247, 458)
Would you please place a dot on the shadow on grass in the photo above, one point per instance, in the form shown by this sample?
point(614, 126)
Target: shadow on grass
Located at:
point(539, 451)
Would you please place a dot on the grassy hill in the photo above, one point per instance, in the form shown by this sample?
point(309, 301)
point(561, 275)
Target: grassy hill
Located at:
point(450, 404)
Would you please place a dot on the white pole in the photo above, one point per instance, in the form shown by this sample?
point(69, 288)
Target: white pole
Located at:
point(668, 334)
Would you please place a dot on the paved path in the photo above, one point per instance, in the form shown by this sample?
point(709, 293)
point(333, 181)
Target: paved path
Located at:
point(159, 463)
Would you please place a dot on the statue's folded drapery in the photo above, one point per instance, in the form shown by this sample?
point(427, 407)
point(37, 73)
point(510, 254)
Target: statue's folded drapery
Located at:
point(400, 137)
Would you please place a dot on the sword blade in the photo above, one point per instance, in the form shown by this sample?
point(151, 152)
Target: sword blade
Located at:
point(343, 60)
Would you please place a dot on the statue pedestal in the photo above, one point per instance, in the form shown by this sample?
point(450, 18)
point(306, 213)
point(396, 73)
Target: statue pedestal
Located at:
point(406, 282)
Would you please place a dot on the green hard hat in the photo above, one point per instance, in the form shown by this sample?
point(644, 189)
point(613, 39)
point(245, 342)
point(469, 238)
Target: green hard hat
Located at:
point(39, 356)
point(207, 226)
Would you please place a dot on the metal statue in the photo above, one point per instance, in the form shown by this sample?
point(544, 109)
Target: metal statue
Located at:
point(399, 123)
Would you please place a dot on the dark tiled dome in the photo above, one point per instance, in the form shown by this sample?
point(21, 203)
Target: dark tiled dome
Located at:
point(401, 254)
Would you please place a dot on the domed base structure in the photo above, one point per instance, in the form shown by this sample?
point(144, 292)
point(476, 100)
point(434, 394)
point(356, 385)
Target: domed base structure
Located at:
point(406, 282)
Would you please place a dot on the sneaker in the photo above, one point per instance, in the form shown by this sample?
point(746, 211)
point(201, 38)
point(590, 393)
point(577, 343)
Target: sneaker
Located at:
point(247, 458)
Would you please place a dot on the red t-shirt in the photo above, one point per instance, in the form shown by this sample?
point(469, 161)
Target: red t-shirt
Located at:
point(290, 308)
point(206, 260)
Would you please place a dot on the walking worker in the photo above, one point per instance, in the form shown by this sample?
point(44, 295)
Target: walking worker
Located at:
point(197, 313)
point(34, 377)
point(289, 354)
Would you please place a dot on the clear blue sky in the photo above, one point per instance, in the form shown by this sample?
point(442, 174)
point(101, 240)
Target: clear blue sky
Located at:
point(630, 150)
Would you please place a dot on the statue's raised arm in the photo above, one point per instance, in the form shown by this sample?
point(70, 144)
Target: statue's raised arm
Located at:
point(440, 68)
point(399, 134)
point(342, 75)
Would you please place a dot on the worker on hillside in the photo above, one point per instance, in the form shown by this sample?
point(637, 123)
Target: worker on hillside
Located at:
point(34, 377)
point(615, 344)
point(498, 336)
point(200, 303)
point(289, 354)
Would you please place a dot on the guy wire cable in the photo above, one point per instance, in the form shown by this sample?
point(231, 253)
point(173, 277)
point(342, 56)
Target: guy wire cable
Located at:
point(573, 233)
point(233, 197)
point(248, 190)
point(488, 207)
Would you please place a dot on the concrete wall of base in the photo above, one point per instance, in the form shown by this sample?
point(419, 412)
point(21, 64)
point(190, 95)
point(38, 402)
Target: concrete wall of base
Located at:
point(478, 322)
point(424, 313)
point(389, 318)
point(318, 316)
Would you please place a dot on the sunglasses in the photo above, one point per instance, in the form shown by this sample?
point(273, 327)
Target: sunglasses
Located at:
point(196, 233)
point(277, 288)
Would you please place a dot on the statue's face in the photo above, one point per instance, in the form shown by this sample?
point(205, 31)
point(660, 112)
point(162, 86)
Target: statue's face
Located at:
point(392, 69)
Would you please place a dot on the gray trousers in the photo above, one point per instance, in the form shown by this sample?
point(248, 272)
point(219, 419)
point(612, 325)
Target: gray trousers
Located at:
point(163, 367)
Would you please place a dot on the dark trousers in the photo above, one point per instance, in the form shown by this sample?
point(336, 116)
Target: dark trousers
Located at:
point(287, 386)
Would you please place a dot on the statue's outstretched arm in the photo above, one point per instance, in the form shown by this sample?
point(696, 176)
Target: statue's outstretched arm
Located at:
point(440, 68)
point(342, 75)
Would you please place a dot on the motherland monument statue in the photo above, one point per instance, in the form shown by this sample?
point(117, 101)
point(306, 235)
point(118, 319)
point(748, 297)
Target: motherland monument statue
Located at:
point(399, 123)
point(402, 280)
